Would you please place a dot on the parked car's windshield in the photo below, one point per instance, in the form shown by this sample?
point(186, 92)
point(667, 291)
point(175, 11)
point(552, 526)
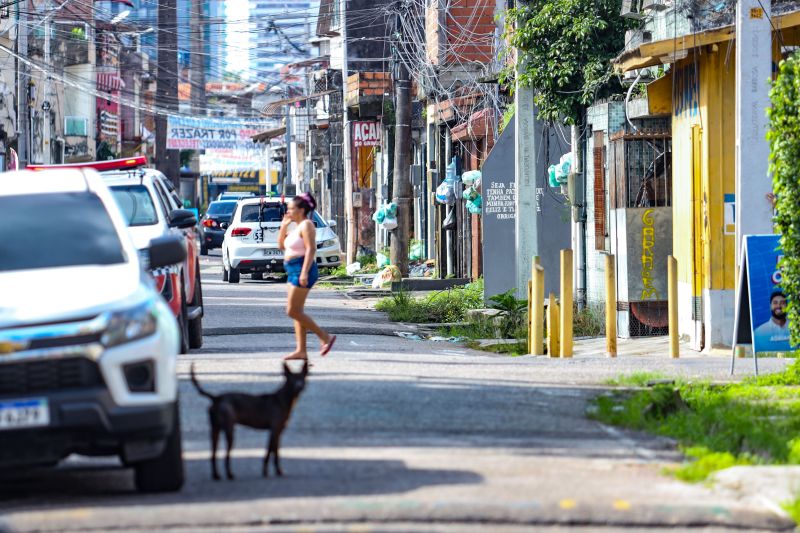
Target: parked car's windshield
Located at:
point(136, 204)
point(56, 230)
point(221, 208)
point(318, 222)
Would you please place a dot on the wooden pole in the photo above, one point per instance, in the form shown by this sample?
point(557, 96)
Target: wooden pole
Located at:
point(566, 303)
point(611, 306)
point(672, 291)
point(553, 349)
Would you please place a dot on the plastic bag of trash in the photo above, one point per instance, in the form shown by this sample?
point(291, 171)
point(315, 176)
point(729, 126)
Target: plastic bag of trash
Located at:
point(386, 277)
point(470, 177)
point(390, 222)
point(381, 259)
point(470, 193)
point(416, 251)
point(445, 194)
point(474, 205)
point(352, 268)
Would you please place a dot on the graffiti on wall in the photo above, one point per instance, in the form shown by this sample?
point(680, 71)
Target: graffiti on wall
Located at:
point(687, 91)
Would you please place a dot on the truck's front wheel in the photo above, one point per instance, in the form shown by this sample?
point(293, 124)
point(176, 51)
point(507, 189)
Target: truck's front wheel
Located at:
point(165, 472)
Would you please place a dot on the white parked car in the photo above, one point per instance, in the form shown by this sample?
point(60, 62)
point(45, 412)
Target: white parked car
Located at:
point(88, 346)
point(250, 245)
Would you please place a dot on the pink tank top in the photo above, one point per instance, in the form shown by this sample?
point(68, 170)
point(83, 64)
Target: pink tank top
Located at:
point(294, 245)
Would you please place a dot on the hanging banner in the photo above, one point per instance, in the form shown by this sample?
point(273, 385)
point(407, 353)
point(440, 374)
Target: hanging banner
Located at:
point(366, 134)
point(202, 133)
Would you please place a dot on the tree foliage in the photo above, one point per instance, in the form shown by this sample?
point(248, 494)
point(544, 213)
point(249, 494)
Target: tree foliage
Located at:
point(784, 142)
point(565, 49)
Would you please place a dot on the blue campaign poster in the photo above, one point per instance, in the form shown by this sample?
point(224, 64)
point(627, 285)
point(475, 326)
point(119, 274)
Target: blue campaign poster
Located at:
point(768, 319)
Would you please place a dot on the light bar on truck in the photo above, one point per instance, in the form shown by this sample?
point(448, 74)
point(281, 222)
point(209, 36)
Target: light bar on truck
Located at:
point(100, 166)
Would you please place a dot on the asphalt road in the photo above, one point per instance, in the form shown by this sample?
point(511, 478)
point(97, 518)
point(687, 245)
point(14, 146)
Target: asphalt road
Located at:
point(393, 435)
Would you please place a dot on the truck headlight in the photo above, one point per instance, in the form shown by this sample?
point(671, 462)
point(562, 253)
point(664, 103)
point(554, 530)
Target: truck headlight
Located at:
point(328, 243)
point(130, 324)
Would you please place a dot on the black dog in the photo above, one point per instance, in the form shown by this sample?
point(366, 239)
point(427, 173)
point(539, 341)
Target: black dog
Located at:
point(266, 411)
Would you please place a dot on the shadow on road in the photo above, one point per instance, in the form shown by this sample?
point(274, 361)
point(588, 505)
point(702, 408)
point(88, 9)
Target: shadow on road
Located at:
point(304, 477)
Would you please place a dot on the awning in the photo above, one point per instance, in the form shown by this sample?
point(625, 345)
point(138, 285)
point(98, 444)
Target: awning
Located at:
point(477, 126)
point(109, 82)
point(265, 136)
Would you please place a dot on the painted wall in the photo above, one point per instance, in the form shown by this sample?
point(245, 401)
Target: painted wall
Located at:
point(703, 141)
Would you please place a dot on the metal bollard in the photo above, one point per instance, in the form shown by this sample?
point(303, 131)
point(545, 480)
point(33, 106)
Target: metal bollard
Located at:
point(672, 306)
point(611, 306)
point(537, 333)
point(566, 303)
point(552, 327)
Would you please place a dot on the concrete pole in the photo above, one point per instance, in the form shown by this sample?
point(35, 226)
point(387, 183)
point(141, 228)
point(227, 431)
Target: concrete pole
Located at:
point(526, 220)
point(401, 182)
point(167, 161)
point(47, 151)
point(23, 112)
point(753, 72)
point(349, 210)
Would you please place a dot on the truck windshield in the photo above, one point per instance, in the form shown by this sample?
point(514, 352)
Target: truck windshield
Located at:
point(56, 230)
point(136, 204)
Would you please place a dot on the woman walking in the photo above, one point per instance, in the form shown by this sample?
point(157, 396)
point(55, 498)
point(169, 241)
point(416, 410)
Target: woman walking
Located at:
point(299, 247)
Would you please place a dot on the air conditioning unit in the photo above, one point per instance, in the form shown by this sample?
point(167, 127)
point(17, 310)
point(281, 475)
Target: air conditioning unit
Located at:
point(632, 9)
point(654, 5)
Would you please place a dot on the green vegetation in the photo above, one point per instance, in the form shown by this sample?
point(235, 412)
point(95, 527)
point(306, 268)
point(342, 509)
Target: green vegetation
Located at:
point(792, 507)
point(752, 422)
point(589, 321)
point(565, 48)
point(443, 306)
point(513, 312)
point(637, 379)
point(784, 140)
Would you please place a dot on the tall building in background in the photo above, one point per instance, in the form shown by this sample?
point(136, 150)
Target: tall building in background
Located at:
point(215, 46)
point(279, 34)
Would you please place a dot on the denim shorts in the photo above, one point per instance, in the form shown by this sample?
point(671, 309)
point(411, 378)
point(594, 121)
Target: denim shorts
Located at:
point(294, 267)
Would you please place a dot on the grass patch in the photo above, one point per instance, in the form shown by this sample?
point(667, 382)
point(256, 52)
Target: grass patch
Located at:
point(514, 350)
point(444, 306)
point(792, 507)
point(637, 379)
point(589, 321)
point(717, 426)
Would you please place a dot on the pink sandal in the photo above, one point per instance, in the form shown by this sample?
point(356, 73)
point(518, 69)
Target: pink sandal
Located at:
point(327, 347)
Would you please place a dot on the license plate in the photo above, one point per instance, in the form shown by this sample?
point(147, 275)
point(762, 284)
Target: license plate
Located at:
point(15, 414)
point(272, 252)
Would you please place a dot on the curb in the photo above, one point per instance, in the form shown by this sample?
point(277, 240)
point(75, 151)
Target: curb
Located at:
point(335, 330)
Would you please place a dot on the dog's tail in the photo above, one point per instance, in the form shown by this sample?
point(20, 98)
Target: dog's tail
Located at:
point(199, 388)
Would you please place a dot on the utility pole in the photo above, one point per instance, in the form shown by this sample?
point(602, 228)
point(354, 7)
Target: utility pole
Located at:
point(198, 89)
point(401, 182)
point(47, 146)
point(23, 112)
point(167, 161)
point(753, 213)
point(349, 210)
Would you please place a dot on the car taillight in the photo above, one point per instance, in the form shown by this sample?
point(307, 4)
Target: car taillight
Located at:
point(209, 223)
point(240, 232)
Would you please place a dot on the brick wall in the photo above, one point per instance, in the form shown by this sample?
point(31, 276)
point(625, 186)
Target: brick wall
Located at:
point(464, 33)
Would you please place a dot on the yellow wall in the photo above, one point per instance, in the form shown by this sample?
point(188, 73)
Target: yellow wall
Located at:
point(703, 142)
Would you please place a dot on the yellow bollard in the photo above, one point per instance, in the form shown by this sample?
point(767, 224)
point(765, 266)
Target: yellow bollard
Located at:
point(611, 306)
point(552, 327)
point(530, 315)
point(566, 303)
point(672, 306)
point(537, 332)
